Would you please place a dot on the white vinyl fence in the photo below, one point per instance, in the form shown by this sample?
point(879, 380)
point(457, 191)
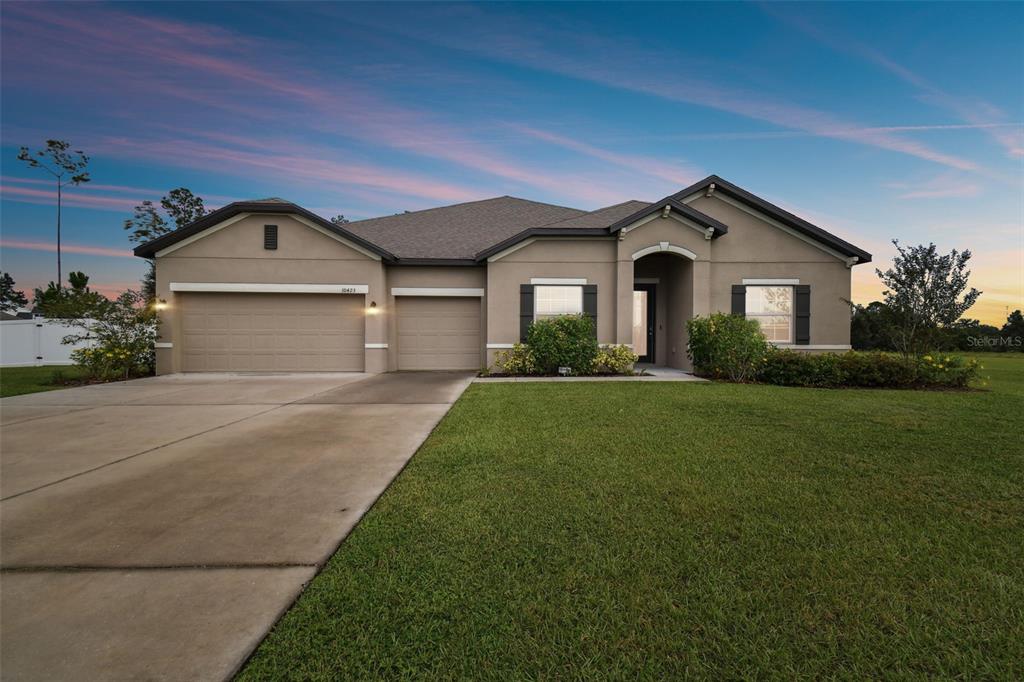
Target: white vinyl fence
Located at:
point(30, 343)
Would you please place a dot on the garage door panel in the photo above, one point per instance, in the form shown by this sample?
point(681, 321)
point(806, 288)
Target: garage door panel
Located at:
point(438, 333)
point(272, 333)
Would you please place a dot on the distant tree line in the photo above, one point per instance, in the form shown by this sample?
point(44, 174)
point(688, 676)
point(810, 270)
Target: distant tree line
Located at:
point(874, 328)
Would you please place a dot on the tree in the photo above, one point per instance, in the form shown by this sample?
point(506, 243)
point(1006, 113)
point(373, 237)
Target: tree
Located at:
point(340, 220)
point(183, 207)
point(73, 302)
point(10, 298)
point(871, 327)
point(1013, 331)
point(146, 224)
point(60, 163)
point(927, 291)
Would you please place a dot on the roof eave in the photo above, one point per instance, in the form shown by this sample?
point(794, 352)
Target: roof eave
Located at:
point(719, 228)
point(540, 232)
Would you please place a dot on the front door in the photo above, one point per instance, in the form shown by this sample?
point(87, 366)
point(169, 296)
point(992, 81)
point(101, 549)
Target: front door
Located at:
point(643, 321)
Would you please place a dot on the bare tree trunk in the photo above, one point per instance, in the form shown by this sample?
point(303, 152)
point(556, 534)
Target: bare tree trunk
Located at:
point(60, 278)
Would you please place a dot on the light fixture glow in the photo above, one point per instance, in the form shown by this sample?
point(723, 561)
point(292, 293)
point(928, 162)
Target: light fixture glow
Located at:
point(373, 309)
point(161, 305)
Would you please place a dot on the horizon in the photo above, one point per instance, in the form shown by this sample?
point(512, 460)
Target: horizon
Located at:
point(872, 130)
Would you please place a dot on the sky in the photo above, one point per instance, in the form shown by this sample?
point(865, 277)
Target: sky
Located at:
point(874, 121)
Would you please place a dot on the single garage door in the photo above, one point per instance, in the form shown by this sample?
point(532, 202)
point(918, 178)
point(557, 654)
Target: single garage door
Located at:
point(438, 333)
point(272, 333)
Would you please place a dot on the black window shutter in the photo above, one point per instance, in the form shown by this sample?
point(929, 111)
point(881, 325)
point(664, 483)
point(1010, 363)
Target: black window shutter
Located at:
point(739, 299)
point(525, 310)
point(802, 307)
point(590, 304)
point(270, 237)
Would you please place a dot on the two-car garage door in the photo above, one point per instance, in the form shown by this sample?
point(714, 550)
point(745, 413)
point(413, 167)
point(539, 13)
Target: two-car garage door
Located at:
point(264, 332)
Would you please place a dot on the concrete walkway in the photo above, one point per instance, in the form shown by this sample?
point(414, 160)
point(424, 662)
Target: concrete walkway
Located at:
point(648, 374)
point(156, 529)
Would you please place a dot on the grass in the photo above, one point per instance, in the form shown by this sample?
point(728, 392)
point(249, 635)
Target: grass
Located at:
point(22, 380)
point(653, 531)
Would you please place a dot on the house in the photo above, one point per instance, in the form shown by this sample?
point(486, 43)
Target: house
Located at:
point(269, 286)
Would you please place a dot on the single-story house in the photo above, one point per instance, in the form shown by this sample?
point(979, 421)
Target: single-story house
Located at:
point(268, 286)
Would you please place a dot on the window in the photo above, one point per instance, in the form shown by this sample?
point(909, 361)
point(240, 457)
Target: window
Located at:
point(772, 307)
point(552, 301)
point(270, 237)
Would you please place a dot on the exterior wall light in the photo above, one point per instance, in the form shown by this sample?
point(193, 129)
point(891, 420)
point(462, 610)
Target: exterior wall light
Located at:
point(160, 305)
point(373, 309)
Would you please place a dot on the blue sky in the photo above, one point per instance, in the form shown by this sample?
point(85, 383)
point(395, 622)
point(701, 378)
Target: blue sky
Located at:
point(875, 121)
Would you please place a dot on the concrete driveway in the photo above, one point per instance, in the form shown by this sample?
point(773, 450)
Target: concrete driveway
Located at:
point(157, 528)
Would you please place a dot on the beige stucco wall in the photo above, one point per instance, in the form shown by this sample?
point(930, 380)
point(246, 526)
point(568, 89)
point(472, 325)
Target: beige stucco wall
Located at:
point(755, 249)
point(591, 259)
point(235, 253)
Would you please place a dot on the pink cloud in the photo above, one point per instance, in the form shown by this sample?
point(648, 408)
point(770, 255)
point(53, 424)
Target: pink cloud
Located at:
point(70, 198)
point(652, 167)
point(342, 108)
point(635, 70)
point(942, 187)
point(65, 248)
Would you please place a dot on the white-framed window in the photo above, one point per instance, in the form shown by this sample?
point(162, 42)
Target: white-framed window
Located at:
point(552, 301)
point(772, 307)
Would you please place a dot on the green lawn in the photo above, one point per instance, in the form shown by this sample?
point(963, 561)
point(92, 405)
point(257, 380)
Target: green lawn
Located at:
point(654, 531)
point(21, 380)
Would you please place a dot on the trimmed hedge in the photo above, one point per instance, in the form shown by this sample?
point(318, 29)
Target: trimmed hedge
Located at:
point(866, 370)
point(732, 348)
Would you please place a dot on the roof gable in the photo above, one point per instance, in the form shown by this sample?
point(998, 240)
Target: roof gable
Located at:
point(267, 207)
point(715, 184)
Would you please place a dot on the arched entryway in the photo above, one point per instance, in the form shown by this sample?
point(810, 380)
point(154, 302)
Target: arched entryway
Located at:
point(662, 303)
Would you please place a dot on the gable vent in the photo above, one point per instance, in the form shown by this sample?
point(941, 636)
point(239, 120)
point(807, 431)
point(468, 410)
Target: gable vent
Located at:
point(270, 237)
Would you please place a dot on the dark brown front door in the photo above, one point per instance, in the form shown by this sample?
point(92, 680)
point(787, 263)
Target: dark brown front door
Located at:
point(643, 321)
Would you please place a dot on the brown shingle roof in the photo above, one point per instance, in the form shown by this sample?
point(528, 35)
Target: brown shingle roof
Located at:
point(602, 217)
point(458, 231)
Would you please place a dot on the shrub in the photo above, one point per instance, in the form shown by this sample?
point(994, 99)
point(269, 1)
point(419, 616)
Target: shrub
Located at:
point(563, 341)
point(791, 368)
point(877, 370)
point(947, 371)
point(726, 347)
point(122, 337)
point(615, 360)
point(866, 370)
point(517, 361)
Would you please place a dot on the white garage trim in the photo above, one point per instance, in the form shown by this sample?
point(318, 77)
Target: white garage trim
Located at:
point(163, 344)
point(558, 280)
point(779, 282)
point(254, 288)
point(376, 345)
point(665, 246)
point(435, 291)
point(500, 345)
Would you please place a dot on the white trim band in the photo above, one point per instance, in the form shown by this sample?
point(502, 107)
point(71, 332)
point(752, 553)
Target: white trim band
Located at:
point(435, 291)
point(261, 288)
point(375, 345)
point(665, 246)
point(779, 282)
point(163, 344)
point(499, 345)
point(817, 346)
point(558, 280)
